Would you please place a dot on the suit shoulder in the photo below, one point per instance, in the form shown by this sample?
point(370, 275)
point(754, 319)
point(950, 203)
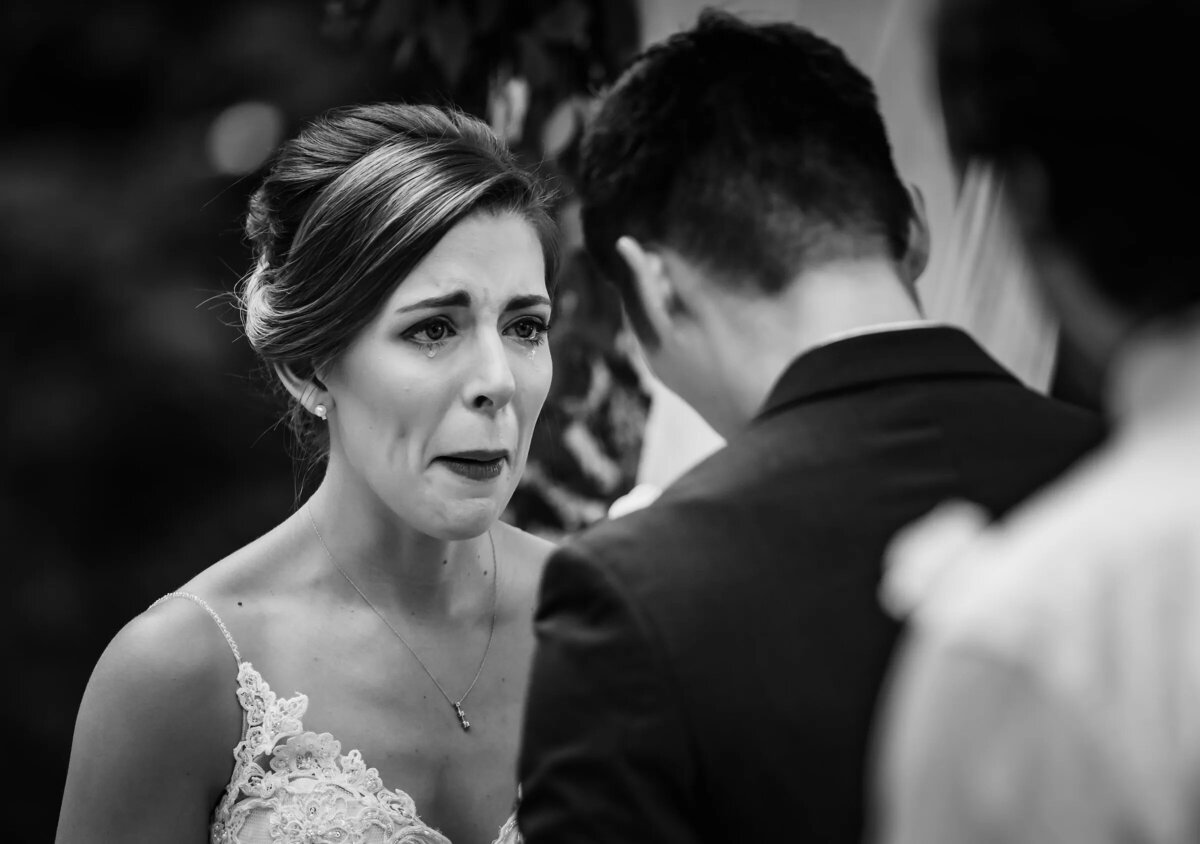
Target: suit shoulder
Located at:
point(1060, 412)
point(659, 537)
point(1056, 423)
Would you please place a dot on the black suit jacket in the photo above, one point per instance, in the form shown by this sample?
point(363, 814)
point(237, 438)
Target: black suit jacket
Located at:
point(707, 668)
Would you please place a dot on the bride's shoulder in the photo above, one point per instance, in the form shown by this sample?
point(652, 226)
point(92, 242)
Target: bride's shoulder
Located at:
point(530, 548)
point(216, 618)
point(527, 553)
point(189, 633)
point(175, 646)
point(164, 680)
point(161, 693)
point(244, 585)
point(177, 663)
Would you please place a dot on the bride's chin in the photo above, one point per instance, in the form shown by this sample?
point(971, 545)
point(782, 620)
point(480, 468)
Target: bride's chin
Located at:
point(466, 522)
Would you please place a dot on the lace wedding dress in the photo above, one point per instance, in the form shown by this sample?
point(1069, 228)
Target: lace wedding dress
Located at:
point(294, 786)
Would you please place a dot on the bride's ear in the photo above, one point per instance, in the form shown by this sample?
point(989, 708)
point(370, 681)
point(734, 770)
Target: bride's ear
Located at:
point(310, 392)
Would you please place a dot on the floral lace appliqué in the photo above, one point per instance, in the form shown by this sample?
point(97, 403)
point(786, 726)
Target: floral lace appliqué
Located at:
point(297, 787)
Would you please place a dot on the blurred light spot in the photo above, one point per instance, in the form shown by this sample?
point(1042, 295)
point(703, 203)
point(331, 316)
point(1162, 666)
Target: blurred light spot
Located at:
point(508, 103)
point(559, 128)
point(243, 136)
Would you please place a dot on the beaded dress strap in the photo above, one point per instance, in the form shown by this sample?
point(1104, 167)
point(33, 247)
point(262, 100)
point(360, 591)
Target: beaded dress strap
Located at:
point(196, 599)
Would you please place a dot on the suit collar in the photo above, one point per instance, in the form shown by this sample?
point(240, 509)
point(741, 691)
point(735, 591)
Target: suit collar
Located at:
point(866, 359)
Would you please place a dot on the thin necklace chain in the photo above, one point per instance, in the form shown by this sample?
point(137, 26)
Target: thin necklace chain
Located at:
point(456, 704)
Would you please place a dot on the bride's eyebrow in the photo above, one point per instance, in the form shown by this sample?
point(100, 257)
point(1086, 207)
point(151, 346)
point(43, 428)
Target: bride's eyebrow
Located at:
point(518, 303)
point(458, 299)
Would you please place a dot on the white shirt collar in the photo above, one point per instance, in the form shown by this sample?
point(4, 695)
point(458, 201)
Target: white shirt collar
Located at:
point(879, 328)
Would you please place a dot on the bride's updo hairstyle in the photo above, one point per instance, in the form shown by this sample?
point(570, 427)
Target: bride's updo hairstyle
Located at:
point(347, 209)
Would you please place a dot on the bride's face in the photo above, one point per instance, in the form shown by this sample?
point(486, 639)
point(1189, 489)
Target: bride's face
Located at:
point(434, 402)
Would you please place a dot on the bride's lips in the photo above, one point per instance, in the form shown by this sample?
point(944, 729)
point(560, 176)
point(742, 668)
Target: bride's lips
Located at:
point(479, 465)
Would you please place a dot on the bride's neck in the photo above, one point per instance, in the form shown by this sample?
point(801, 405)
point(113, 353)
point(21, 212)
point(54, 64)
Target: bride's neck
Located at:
point(400, 569)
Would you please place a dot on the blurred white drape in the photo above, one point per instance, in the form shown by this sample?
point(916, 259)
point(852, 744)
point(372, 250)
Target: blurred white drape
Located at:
point(977, 277)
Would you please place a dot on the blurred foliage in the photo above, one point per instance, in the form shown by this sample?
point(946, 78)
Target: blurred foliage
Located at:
point(137, 448)
point(465, 50)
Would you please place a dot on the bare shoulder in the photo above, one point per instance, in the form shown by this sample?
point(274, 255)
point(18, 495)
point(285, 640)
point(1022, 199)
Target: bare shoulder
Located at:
point(526, 549)
point(180, 652)
point(164, 689)
point(261, 567)
point(525, 555)
point(162, 699)
point(257, 587)
point(169, 666)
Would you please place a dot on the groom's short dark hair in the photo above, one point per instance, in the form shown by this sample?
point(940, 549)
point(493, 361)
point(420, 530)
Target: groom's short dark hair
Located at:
point(754, 150)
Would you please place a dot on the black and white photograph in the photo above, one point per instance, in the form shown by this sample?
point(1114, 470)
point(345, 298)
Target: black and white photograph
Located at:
point(602, 421)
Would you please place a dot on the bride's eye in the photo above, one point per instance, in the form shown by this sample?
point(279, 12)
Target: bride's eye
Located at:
point(430, 334)
point(435, 331)
point(530, 330)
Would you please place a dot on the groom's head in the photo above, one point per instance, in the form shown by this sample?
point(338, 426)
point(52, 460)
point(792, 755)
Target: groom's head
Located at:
point(727, 162)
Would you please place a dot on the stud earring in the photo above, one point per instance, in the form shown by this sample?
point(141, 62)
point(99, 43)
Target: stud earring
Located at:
point(321, 411)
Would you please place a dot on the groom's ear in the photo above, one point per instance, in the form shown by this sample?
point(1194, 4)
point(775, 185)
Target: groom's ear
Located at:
point(653, 291)
point(916, 253)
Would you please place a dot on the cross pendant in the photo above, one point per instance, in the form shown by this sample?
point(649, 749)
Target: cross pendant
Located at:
point(462, 717)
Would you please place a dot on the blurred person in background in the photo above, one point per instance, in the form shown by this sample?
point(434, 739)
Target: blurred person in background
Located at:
point(401, 297)
point(707, 666)
point(1049, 688)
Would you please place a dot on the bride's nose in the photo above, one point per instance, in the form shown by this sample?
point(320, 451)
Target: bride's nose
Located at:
point(490, 384)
